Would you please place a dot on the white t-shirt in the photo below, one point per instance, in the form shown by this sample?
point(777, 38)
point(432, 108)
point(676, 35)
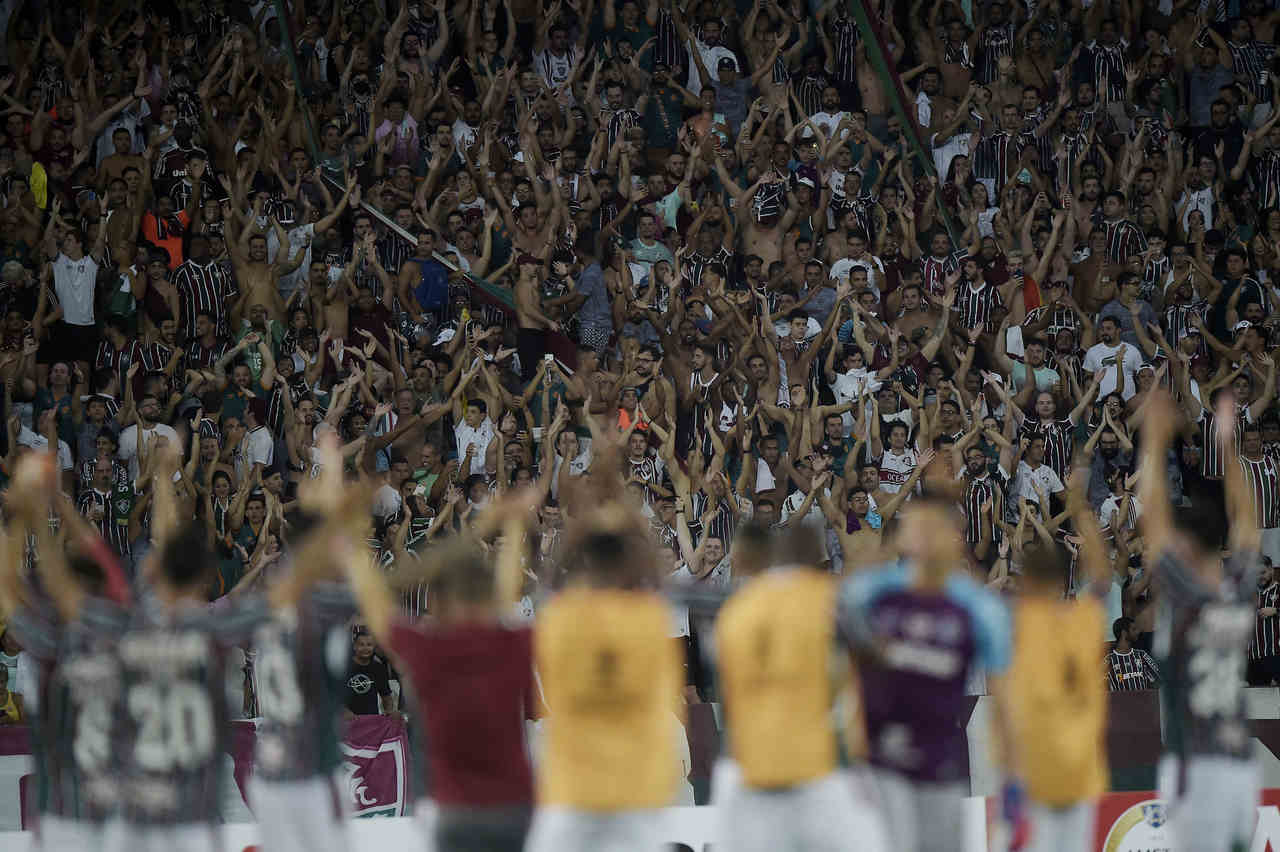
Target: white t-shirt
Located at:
point(1025, 485)
point(578, 465)
point(948, 151)
point(895, 468)
point(841, 268)
point(74, 281)
point(480, 436)
point(828, 121)
point(297, 239)
point(128, 452)
point(1110, 508)
point(765, 480)
point(682, 576)
point(386, 502)
point(852, 385)
point(711, 57)
point(36, 441)
point(259, 448)
point(1101, 355)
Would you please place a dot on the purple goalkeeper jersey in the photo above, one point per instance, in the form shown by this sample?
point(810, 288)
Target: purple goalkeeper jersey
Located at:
point(922, 646)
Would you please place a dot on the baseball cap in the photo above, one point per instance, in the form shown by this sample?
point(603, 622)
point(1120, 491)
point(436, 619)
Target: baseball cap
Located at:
point(1241, 326)
point(806, 182)
point(727, 62)
point(526, 259)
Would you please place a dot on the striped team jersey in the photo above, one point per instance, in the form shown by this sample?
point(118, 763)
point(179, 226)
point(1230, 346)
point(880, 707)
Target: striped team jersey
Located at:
point(170, 725)
point(991, 157)
point(301, 670)
point(977, 305)
point(1131, 671)
point(1249, 60)
point(1266, 630)
point(1109, 70)
point(991, 485)
point(1058, 707)
point(1062, 317)
point(1123, 239)
point(1264, 170)
point(1177, 319)
point(1211, 456)
point(1263, 479)
point(76, 763)
point(935, 271)
point(1059, 442)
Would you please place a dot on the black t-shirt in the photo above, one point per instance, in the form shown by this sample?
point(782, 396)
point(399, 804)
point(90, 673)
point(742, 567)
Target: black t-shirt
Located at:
point(364, 684)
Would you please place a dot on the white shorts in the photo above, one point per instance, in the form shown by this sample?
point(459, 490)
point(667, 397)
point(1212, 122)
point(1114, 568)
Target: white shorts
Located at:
point(298, 816)
point(120, 836)
point(1067, 829)
point(1218, 805)
point(560, 829)
point(919, 816)
point(821, 816)
point(59, 834)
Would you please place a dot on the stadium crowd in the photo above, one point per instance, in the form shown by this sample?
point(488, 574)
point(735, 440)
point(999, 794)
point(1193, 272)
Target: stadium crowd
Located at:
point(704, 227)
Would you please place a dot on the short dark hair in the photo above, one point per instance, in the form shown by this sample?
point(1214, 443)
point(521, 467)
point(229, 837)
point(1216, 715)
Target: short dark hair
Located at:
point(187, 558)
point(1120, 625)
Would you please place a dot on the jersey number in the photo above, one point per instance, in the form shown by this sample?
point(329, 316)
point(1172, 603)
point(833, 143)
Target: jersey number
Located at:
point(175, 725)
point(92, 745)
point(281, 697)
point(1216, 690)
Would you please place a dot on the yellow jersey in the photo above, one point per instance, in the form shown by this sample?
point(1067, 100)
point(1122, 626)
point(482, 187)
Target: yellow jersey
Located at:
point(9, 714)
point(1058, 700)
point(774, 640)
point(611, 679)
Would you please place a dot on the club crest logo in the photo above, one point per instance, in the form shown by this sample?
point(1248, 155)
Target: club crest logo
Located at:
point(1144, 827)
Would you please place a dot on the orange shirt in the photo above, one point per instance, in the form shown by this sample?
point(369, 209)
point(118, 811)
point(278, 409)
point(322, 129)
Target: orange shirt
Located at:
point(165, 236)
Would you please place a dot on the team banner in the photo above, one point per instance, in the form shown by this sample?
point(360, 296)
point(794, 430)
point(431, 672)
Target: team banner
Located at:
point(374, 776)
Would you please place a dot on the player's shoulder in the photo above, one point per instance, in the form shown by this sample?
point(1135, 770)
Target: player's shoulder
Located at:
point(867, 586)
point(983, 605)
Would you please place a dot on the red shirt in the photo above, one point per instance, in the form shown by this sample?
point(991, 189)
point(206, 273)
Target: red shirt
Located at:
point(474, 687)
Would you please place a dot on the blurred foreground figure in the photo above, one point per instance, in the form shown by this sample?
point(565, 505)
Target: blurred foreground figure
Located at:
point(611, 679)
point(1056, 702)
point(1202, 639)
point(69, 624)
point(472, 683)
point(783, 671)
point(923, 624)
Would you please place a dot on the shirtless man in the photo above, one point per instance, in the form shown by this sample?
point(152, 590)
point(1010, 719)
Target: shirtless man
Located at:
point(114, 164)
point(765, 225)
point(258, 275)
point(916, 312)
point(527, 235)
point(532, 323)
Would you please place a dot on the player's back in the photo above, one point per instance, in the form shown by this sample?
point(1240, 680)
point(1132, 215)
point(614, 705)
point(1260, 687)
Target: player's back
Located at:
point(301, 661)
point(1058, 700)
point(1203, 643)
point(610, 677)
point(71, 716)
point(925, 642)
point(773, 640)
point(171, 722)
